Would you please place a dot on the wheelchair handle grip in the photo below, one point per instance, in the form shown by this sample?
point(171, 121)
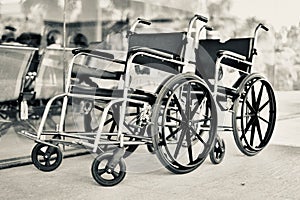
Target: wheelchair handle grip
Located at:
point(264, 27)
point(138, 21)
point(192, 22)
point(144, 21)
point(197, 36)
point(208, 28)
point(201, 18)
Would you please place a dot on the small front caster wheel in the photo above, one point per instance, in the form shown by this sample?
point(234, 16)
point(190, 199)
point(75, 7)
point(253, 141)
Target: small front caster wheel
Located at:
point(104, 175)
point(46, 158)
point(217, 153)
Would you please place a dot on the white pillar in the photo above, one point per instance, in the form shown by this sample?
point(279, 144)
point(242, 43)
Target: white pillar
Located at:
point(99, 21)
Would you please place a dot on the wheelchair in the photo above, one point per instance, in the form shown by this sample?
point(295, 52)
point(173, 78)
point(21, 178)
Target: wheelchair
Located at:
point(177, 120)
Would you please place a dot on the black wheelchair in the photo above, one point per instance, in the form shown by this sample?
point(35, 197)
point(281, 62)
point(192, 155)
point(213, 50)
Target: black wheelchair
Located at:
point(177, 118)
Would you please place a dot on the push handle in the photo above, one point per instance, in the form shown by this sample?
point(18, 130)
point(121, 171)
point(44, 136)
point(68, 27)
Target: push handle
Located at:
point(264, 27)
point(197, 37)
point(144, 21)
point(209, 28)
point(192, 21)
point(138, 21)
point(201, 18)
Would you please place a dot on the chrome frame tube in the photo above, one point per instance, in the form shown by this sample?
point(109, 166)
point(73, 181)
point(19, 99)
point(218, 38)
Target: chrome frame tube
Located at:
point(124, 100)
point(45, 114)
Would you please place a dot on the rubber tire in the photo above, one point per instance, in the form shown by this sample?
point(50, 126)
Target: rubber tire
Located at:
point(37, 163)
point(102, 181)
point(212, 156)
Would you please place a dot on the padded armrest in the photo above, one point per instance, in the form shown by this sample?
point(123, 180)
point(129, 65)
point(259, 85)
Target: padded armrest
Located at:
point(231, 54)
point(155, 52)
point(82, 71)
point(94, 52)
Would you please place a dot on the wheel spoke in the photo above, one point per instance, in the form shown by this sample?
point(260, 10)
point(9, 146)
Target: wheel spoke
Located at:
point(101, 171)
point(47, 162)
point(188, 102)
point(250, 106)
point(259, 130)
point(249, 124)
point(184, 117)
point(253, 97)
point(263, 106)
point(252, 134)
point(50, 150)
point(179, 144)
point(264, 120)
point(40, 152)
point(193, 112)
point(173, 133)
point(247, 128)
point(189, 145)
point(109, 121)
point(197, 106)
point(115, 174)
point(198, 136)
point(259, 96)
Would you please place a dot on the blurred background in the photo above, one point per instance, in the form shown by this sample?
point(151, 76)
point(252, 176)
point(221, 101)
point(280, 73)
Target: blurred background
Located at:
point(89, 22)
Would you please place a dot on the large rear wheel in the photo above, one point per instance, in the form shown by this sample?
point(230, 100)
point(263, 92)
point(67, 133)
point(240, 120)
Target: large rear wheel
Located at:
point(254, 115)
point(184, 123)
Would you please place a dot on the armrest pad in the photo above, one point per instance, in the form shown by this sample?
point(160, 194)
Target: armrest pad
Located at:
point(94, 52)
point(155, 52)
point(231, 54)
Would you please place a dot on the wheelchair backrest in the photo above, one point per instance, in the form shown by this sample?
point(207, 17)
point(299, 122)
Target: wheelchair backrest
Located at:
point(50, 76)
point(15, 62)
point(206, 54)
point(175, 43)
